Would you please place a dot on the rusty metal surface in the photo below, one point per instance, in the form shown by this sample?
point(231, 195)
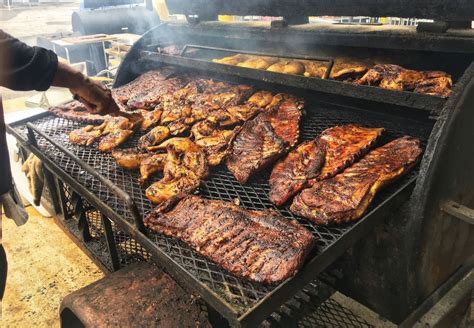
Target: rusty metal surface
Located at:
point(137, 296)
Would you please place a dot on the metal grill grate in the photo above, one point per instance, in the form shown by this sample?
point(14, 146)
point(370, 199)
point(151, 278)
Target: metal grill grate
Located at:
point(331, 314)
point(241, 295)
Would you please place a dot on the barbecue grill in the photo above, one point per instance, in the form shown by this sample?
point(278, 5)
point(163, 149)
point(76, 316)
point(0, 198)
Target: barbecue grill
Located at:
point(417, 235)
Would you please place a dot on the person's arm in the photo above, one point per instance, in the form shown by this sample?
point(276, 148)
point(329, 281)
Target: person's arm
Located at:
point(33, 68)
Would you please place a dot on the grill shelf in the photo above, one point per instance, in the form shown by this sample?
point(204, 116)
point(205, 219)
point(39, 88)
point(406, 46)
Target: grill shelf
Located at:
point(241, 302)
point(432, 104)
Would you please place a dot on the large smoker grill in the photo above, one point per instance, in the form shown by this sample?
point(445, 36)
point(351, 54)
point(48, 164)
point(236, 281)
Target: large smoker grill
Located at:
point(409, 242)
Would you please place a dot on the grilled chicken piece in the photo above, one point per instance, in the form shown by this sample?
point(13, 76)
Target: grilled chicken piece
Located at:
point(173, 110)
point(85, 136)
point(154, 137)
point(261, 246)
point(345, 144)
point(345, 197)
point(293, 173)
point(264, 139)
point(232, 60)
point(208, 103)
point(151, 164)
point(116, 123)
point(344, 70)
point(435, 84)
point(114, 139)
point(287, 67)
point(214, 141)
point(184, 169)
point(391, 77)
point(150, 119)
point(261, 98)
point(314, 68)
point(129, 158)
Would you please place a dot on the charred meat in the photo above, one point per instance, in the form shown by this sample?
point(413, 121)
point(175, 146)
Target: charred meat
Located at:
point(150, 119)
point(183, 171)
point(154, 137)
point(345, 197)
point(261, 246)
point(151, 164)
point(85, 136)
point(114, 139)
point(129, 158)
point(344, 144)
point(347, 70)
point(266, 138)
point(213, 140)
point(394, 77)
point(148, 99)
point(293, 173)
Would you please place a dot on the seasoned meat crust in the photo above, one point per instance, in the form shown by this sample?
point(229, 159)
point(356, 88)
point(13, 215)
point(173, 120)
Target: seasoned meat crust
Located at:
point(266, 138)
point(293, 173)
point(346, 196)
point(261, 246)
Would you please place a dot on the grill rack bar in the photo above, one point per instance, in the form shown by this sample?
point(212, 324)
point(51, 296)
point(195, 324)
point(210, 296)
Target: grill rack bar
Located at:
point(329, 66)
point(411, 100)
point(109, 184)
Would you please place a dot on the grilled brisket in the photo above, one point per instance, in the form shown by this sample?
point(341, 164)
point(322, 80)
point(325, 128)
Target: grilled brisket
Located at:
point(346, 196)
point(261, 246)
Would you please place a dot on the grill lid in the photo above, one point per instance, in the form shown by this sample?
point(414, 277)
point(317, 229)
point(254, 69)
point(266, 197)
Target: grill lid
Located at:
point(452, 10)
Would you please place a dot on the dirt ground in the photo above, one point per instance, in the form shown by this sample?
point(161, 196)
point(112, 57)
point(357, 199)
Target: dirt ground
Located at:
point(44, 266)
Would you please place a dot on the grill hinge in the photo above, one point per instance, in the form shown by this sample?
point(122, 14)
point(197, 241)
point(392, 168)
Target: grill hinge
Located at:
point(459, 211)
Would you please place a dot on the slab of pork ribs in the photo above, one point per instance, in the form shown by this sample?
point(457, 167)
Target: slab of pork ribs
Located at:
point(345, 197)
point(266, 138)
point(334, 150)
point(261, 246)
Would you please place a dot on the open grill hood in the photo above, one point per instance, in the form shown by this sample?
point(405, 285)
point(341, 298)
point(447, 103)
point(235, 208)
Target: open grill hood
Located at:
point(454, 10)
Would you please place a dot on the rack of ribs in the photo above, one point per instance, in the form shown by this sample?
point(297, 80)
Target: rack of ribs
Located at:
point(261, 246)
point(334, 150)
point(345, 144)
point(293, 173)
point(346, 197)
point(266, 138)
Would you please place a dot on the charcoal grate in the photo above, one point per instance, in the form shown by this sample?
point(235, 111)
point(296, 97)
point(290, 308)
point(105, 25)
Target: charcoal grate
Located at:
point(242, 295)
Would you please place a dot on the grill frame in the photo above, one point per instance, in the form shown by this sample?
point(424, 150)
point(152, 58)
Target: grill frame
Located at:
point(269, 300)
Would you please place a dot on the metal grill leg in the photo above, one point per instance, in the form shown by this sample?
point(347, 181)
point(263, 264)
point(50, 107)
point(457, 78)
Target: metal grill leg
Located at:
point(80, 215)
point(62, 200)
point(109, 237)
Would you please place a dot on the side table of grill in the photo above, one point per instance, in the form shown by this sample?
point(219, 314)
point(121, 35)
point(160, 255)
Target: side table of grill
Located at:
point(140, 295)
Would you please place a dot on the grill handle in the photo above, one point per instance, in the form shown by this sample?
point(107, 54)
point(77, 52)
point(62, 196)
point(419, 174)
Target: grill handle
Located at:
point(459, 211)
point(328, 66)
point(109, 184)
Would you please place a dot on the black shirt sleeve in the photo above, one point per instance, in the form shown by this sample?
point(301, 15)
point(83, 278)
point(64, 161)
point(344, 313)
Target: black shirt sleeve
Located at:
point(23, 67)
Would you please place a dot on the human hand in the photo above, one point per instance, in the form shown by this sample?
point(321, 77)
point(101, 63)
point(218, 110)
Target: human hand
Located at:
point(95, 96)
